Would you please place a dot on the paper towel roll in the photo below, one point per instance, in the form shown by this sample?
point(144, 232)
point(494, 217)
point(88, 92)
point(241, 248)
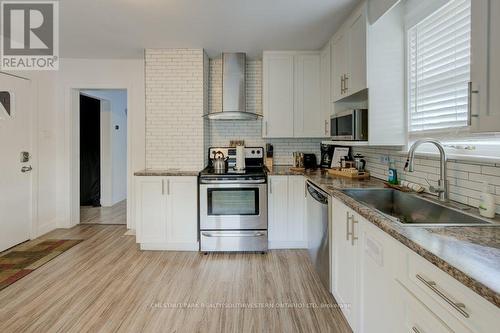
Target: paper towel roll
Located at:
point(240, 157)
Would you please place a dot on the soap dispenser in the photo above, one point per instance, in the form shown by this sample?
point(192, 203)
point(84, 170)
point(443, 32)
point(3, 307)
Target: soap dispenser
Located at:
point(487, 203)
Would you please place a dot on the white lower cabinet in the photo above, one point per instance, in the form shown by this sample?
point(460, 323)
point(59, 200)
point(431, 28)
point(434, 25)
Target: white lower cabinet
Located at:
point(382, 286)
point(345, 261)
point(166, 213)
point(286, 212)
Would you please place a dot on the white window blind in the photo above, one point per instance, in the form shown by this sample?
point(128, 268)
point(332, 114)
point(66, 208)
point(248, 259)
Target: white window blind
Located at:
point(439, 68)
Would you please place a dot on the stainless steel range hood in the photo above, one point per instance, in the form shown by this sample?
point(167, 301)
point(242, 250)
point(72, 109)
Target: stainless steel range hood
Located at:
point(233, 89)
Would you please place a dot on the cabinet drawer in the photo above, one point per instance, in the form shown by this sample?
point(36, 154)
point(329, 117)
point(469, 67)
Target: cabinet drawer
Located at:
point(449, 298)
point(417, 318)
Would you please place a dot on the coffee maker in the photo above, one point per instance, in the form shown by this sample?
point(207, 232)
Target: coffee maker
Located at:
point(326, 155)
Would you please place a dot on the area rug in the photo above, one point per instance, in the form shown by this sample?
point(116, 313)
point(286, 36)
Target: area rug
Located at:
point(20, 261)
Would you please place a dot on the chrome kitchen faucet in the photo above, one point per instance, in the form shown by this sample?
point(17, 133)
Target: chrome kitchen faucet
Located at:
point(442, 189)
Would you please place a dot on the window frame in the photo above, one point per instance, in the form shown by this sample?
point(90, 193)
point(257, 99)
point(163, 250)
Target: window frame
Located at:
point(421, 9)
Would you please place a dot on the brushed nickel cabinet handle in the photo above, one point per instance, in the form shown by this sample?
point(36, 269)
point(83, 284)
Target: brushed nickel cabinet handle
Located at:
point(353, 237)
point(342, 84)
point(346, 79)
point(168, 186)
point(162, 187)
point(433, 286)
point(469, 103)
point(348, 219)
point(271, 185)
point(416, 330)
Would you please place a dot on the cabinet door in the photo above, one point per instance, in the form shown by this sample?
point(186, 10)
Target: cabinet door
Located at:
point(308, 116)
point(278, 211)
point(416, 317)
point(297, 231)
point(378, 261)
point(356, 74)
point(339, 68)
point(278, 95)
point(151, 210)
point(485, 108)
point(325, 91)
point(182, 208)
point(345, 262)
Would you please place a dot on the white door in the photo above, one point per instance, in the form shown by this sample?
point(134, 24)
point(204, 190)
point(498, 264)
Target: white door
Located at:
point(278, 95)
point(15, 185)
point(308, 117)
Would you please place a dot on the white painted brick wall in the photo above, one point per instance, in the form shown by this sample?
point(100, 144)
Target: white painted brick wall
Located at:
point(465, 178)
point(221, 132)
point(174, 108)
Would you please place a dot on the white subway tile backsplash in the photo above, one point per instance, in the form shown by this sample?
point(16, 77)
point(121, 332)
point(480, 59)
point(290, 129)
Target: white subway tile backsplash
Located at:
point(174, 108)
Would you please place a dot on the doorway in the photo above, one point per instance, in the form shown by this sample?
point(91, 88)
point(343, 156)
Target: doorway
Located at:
point(103, 156)
point(16, 176)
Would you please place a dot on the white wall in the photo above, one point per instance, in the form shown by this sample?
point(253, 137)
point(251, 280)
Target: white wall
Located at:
point(118, 160)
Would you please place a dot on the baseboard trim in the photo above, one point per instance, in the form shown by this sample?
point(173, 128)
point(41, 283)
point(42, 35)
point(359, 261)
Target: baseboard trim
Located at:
point(275, 245)
point(170, 246)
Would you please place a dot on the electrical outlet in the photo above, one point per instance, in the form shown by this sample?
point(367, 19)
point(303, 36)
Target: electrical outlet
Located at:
point(384, 159)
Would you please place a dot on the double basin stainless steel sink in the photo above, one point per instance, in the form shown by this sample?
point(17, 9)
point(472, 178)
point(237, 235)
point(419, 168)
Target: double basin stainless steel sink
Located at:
point(415, 210)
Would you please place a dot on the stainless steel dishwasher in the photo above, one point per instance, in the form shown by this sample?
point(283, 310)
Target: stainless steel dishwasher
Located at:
point(318, 231)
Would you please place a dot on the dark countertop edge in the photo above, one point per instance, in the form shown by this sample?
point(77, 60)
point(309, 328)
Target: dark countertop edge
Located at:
point(165, 173)
point(384, 224)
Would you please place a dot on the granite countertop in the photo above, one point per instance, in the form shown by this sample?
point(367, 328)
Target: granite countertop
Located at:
point(165, 173)
point(469, 254)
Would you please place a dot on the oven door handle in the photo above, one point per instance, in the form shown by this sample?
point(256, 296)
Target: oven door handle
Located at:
point(241, 181)
point(235, 234)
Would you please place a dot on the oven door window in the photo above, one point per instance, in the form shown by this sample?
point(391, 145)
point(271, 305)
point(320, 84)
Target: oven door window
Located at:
point(344, 126)
point(233, 201)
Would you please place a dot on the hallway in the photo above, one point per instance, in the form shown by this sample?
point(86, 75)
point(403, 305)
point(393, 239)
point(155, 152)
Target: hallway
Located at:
point(116, 214)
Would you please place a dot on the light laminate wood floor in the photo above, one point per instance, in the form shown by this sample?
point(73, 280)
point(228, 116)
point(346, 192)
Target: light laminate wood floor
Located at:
point(116, 214)
point(106, 284)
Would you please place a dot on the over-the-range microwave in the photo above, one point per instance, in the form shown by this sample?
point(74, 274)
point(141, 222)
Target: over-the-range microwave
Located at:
point(350, 125)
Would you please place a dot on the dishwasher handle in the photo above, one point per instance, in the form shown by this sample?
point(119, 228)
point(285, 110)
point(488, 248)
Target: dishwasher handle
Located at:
point(317, 194)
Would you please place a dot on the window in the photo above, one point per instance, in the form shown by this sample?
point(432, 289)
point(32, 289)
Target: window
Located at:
point(439, 68)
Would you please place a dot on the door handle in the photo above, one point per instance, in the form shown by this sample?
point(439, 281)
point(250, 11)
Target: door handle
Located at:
point(341, 84)
point(26, 169)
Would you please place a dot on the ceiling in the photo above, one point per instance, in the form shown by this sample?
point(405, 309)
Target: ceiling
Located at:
point(123, 28)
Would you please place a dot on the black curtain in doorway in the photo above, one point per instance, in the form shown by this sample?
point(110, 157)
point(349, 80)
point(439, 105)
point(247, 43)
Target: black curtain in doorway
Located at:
point(90, 151)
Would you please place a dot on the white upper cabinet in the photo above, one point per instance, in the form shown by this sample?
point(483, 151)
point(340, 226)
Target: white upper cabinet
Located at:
point(349, 57)
point(278, 94)
point(291, 95)
point(367, 72)
point(308, 118)
point(338, 65)
point(356, 76)
point(325, 87)
point(485, 66)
